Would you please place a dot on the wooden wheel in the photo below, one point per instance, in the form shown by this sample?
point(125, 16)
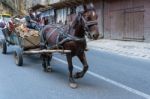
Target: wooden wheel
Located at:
point(18, 57)
point(4, 47)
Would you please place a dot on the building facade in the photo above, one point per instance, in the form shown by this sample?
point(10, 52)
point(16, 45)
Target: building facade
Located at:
point(12, 7)
point(127, 20)
point(118, 19)
point(5, 8)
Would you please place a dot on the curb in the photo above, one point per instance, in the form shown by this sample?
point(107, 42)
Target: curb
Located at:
point(121, 52)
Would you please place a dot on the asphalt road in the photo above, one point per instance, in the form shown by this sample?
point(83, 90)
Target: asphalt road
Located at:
point(110, 76)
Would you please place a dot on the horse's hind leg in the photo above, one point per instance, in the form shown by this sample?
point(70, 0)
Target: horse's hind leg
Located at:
point(48, 66)
point(46, 62)
point(43, 62)
point(72, 83)
point(83, 60)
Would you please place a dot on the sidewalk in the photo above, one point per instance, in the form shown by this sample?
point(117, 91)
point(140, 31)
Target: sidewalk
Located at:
point(126, 48)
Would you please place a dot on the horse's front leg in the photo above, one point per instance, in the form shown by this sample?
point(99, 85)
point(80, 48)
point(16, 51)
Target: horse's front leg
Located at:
point(72, 83)
point(83, 60)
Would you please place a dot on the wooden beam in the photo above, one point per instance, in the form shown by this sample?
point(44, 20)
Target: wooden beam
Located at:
point(46, 51)
point(62, 4)
point(38, 6)
point(67, 3)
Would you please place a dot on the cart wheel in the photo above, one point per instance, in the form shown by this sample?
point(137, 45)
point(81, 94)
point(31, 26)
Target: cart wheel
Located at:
point(4, 47)
point(18, 57)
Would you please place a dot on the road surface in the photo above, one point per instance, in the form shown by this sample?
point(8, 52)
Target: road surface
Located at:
point(110, 76)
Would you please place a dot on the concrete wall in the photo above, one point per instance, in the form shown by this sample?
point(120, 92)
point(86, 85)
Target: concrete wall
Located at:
point(147, 21)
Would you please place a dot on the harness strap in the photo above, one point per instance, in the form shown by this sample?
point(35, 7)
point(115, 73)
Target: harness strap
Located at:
point(52, 33)
point(66, 34)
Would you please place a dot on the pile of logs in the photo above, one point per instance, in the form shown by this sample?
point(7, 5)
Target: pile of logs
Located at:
point(23, 31)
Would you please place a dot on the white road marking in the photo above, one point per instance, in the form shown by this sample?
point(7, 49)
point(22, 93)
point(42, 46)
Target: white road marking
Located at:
point(146, 96)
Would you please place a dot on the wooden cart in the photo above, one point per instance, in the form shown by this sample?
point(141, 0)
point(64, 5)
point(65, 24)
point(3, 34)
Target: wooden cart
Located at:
point(29, 43)
point(9, 39)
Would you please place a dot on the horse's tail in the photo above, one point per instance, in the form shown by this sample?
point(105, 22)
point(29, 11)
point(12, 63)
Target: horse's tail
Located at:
point(42, 37)
point(42, 33)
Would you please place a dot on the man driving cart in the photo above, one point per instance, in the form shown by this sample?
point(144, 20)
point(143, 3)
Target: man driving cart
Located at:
point(31, 21)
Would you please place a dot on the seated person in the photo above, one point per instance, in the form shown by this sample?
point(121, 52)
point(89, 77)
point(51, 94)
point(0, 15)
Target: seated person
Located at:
point(11, 32)
point(2, 23)
point(30, 22)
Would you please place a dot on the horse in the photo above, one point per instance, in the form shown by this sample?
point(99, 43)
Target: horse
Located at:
point(72, 38)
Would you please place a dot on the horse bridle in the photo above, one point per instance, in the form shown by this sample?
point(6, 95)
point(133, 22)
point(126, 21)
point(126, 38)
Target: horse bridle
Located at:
point(86, 25)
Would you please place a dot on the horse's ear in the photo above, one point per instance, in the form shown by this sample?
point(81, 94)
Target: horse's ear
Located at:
point(89, 6)
point(80, 9)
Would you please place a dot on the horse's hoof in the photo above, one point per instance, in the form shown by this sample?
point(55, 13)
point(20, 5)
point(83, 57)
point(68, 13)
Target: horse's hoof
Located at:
point(86, 49)
point(78, 75)
point(49, 69)
point(73, 85)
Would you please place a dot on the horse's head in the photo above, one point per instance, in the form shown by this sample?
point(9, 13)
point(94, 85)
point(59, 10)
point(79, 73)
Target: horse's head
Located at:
point(88, 19)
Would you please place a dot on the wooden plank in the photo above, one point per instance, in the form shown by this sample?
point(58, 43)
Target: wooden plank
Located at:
point(37, 7)
point(67, 3)
point(134, 25)
point(139, 2)
point(139, 25)
point(46, 51)
point(129, 25)
point(126, 19)
point(117, 25)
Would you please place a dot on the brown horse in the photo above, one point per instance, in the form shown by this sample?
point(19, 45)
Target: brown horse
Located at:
point(71, 38)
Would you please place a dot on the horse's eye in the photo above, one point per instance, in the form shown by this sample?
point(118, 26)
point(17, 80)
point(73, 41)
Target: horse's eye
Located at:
point(88, 18)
